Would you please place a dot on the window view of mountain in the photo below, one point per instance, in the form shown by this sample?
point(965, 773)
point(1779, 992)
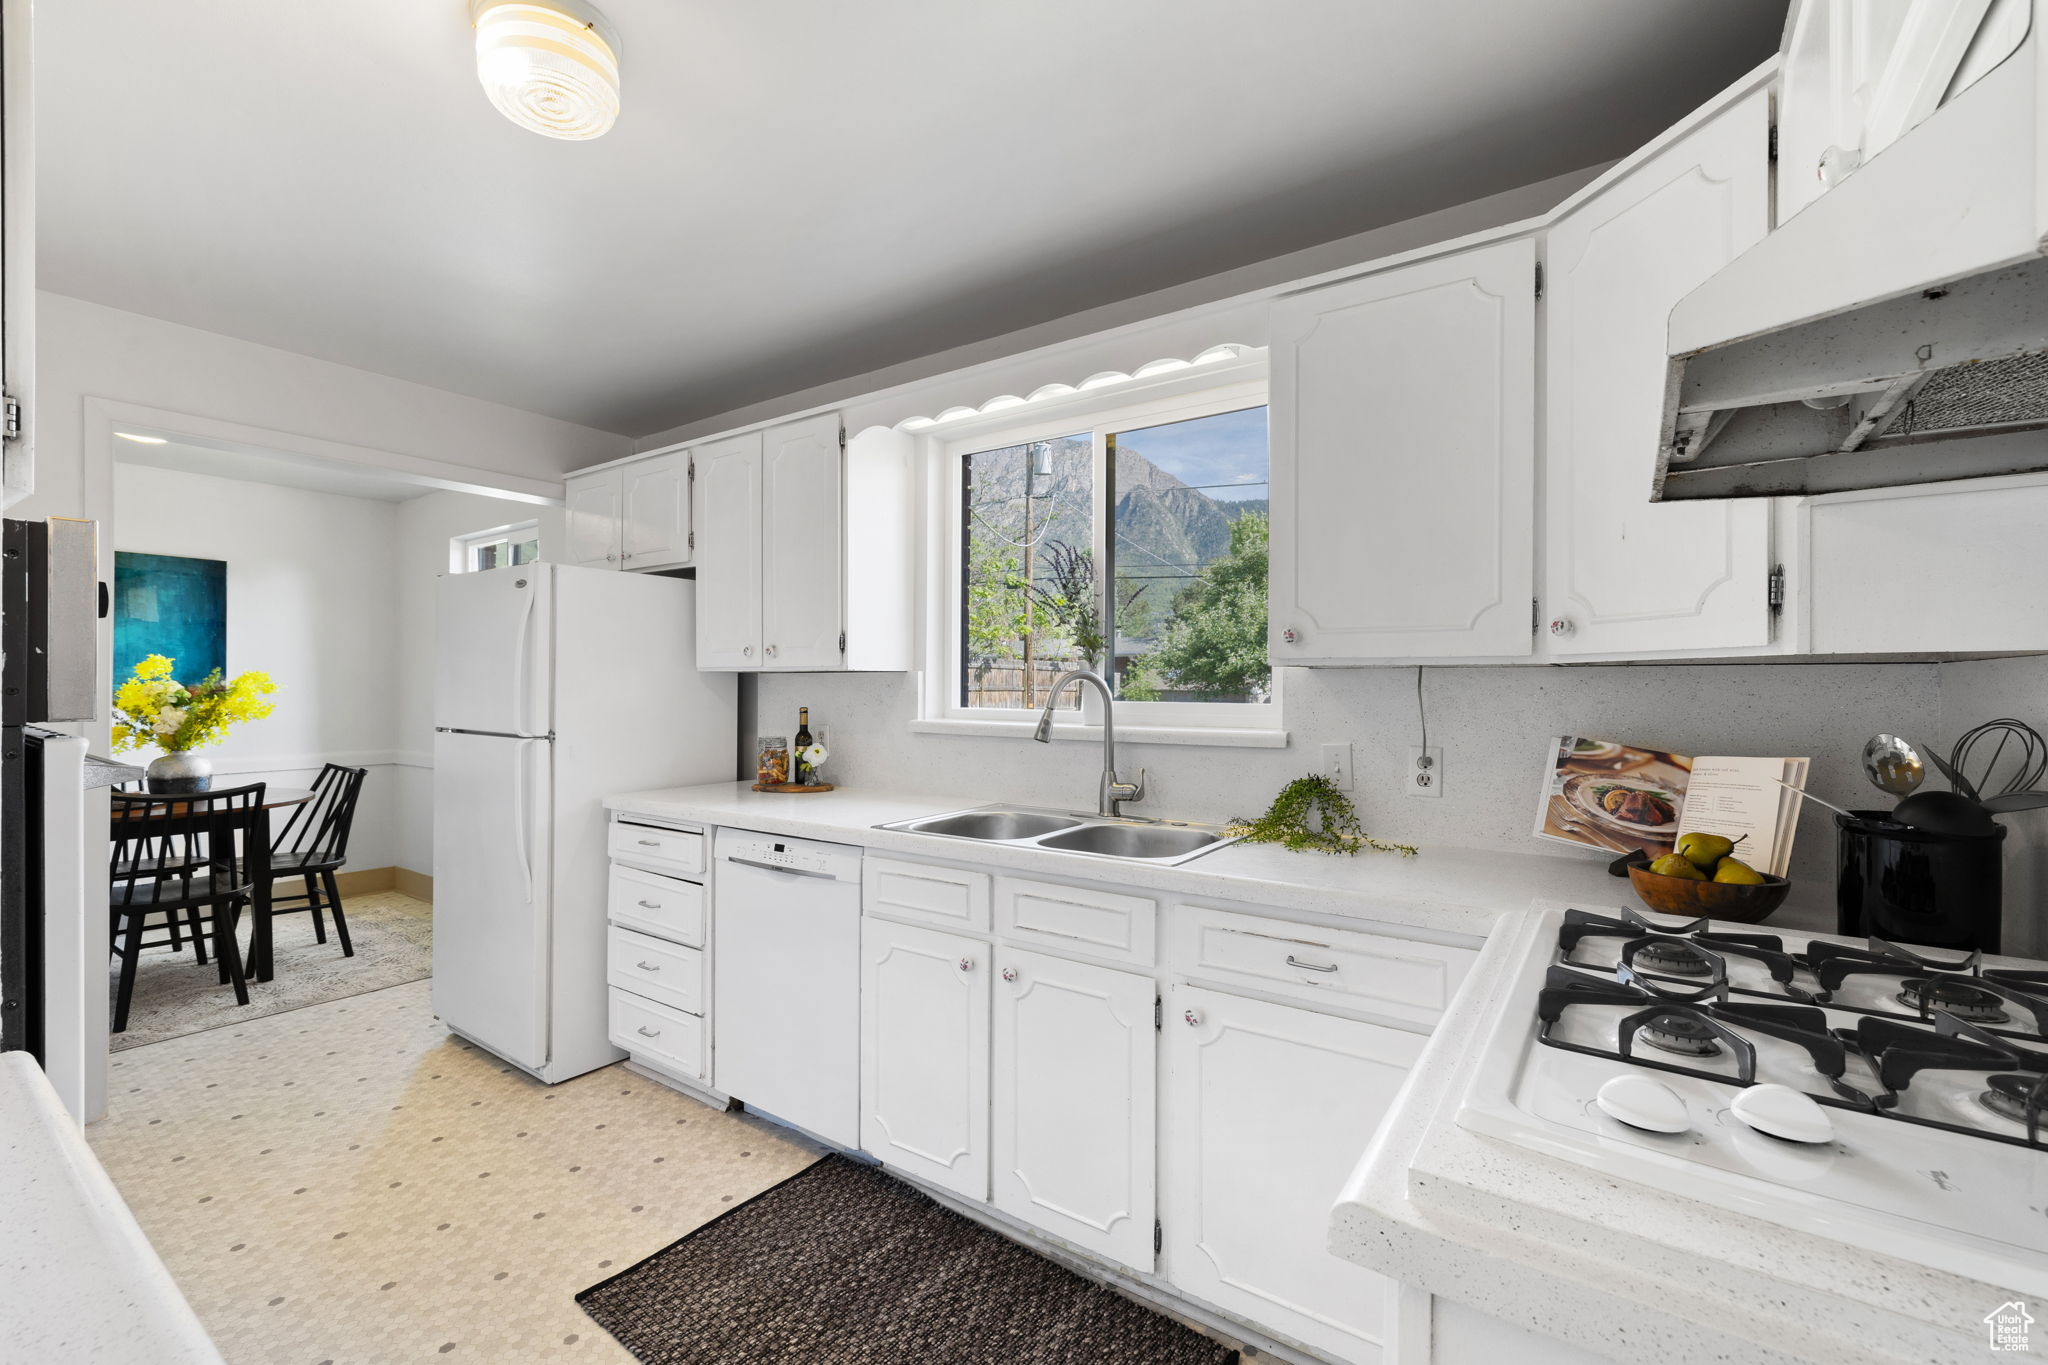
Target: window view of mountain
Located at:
point(1186, 619)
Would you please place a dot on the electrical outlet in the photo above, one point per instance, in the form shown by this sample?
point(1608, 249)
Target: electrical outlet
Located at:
point(1337, 764)
point(1424, 775)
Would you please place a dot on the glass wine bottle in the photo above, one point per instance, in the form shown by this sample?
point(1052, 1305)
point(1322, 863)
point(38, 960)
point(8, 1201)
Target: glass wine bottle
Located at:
point(800, 770)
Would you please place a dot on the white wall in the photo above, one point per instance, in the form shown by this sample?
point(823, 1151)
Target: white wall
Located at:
point(311, 581)
point(424, 527)
point(85, 350)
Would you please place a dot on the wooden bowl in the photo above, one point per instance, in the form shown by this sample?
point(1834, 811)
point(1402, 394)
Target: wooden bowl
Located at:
point(1714, 900)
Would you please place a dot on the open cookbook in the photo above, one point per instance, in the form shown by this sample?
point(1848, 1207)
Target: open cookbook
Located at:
point(1614, 797)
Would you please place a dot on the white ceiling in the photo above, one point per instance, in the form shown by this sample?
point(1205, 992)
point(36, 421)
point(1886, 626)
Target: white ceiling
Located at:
point(798, 190)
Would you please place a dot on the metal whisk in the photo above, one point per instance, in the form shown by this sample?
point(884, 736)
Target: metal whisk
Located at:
point(2015, 750)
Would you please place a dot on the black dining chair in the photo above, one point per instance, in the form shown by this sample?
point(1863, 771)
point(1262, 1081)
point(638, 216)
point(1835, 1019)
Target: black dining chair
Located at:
point(312, 846)
point(185, 857)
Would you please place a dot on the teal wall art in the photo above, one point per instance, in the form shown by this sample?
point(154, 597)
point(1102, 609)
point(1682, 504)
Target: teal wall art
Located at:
point(170, 605)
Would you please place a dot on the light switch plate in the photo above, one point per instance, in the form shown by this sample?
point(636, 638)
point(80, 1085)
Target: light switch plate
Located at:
point(1337, 765)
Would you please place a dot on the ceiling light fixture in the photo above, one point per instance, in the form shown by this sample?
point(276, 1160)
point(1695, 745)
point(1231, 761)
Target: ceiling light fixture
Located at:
point(142, 440)
point(551, 66)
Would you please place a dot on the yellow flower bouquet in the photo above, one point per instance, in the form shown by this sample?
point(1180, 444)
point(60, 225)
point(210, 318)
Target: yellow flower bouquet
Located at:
point(153, 709)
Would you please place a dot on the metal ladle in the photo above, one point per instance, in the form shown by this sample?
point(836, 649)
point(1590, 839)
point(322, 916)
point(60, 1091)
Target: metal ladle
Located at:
point(1893, 765)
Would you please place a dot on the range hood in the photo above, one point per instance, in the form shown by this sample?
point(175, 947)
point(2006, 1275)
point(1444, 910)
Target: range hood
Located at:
point(1893, 332)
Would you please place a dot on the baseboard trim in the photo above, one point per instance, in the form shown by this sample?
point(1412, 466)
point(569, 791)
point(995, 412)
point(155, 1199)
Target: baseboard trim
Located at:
point(363, 882)
point(418, 885)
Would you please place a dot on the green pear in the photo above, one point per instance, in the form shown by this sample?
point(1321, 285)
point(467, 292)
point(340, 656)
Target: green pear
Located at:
point(1736, 872)
point(1672, 865)
point(1703, 850)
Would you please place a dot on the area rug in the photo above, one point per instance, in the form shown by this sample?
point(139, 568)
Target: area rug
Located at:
point(394, 941)
point(842, 1264)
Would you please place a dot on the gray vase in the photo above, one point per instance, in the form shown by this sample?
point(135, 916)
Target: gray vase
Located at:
point(180, 772)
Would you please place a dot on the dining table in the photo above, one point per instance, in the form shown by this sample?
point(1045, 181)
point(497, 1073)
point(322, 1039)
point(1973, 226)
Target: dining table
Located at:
point(263, 968)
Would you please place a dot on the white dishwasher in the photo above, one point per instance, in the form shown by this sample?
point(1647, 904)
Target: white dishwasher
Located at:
point(786, 980)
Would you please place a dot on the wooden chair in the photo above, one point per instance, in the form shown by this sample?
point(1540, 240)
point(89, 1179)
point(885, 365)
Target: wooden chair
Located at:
point(185, 856)
point(313, 845)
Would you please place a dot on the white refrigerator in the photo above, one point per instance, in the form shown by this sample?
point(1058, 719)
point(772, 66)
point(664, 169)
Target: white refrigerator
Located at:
point(554, 687)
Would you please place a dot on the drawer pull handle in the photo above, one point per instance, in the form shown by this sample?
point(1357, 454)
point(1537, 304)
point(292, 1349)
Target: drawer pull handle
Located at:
point(649, 843)
point(650, 905)
point(648, 966)
point(1294, 961)
point(646, 1032)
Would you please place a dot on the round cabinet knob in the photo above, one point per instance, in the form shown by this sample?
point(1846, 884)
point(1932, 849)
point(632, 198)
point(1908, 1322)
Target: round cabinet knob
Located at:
point(611, 559)
point(747, 650)
point(966, 964)
point(1009, 973)
point(1562, 627)
point(1194, 1020)
point(1291, 635)
point(770, 651)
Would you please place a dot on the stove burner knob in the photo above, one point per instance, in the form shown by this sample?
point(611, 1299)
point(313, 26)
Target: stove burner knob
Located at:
point(1783, 1112)
point(1640, 1102)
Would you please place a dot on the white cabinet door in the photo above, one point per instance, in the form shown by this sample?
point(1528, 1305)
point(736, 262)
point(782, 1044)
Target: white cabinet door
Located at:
point(801, 587)
point(590, 528)
point(1073, 1089)
point(1404, 456)
point(657, 512)
point(924, 1054)
point(1626, 576)
point(1267, 1109)
point(729, 552)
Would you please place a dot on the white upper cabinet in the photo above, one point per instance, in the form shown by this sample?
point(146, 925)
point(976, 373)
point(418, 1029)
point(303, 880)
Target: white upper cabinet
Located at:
point(801, 589)
point(1404, 451)
point(729, 552)
point(630, 516)
point(1073, 1086)
point(656, 521)
point(1626, 577)
point(590, 527)
point(804, 549)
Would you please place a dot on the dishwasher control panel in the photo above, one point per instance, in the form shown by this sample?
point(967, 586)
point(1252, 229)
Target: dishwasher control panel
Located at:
point(838, 861)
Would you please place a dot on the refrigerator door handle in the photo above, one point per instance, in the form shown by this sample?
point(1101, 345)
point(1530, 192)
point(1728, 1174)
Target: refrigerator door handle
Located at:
point(519, 813)
point(522, 665)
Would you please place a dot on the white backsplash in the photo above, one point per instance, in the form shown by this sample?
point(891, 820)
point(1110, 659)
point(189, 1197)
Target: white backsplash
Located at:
point(1493, 724)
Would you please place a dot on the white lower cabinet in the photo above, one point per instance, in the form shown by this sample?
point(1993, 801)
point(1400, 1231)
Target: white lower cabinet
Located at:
point(924, 1005)
point(1074, 1100)
point(1267, 1109)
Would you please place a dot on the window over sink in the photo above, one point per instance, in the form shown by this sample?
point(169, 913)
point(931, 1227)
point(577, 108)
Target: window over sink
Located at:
point(1131, 541)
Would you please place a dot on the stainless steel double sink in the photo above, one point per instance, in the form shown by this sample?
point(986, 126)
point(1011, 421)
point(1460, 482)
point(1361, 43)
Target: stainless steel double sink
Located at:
point(1161, 842)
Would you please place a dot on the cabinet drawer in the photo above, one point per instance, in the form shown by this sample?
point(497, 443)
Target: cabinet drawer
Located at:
point(679, 851)
point(1077, 917)
point(657, 905)
point(669, 1038)
point(945, 896)
point(657, 969)
point(1390, 976)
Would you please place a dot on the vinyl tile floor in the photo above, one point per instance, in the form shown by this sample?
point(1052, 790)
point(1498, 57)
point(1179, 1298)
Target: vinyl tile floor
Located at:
point(349, 1182)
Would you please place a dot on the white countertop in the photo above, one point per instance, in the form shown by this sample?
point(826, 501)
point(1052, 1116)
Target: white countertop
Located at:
point(1615, 1266)
point(78, 1280)
point(1454, 891)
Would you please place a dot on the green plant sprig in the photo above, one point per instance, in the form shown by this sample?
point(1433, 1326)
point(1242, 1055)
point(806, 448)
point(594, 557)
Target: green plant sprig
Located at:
point(1289, 822)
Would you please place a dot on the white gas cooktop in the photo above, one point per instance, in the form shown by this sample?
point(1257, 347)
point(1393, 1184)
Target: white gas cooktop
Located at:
point(1920, 1070)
